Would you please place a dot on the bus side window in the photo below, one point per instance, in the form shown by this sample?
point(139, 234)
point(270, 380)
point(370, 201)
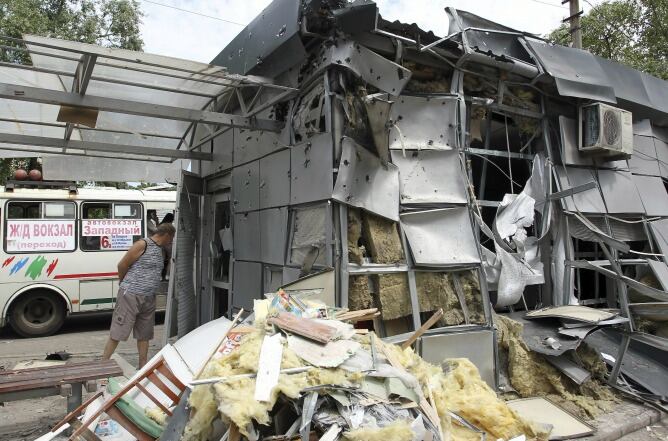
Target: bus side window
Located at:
point(40, 226)
point(24, 210)
point(93, 210)
point(114, 216)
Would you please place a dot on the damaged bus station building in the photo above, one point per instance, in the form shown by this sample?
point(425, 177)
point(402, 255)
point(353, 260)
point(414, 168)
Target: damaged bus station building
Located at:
point(516, 185)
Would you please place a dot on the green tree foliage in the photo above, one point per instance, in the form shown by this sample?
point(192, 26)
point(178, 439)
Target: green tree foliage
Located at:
point(632, 32)
point(111, 23)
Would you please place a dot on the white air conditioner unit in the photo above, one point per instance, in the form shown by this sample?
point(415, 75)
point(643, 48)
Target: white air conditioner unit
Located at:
point(605, 130)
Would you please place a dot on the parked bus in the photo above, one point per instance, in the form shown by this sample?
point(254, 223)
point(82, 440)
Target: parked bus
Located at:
point(60, 249)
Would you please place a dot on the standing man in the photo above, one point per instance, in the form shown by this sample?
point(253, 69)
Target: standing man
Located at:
point(140, 273)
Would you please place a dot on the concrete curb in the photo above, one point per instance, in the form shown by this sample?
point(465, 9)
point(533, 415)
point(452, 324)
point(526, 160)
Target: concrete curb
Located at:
point(632, 419)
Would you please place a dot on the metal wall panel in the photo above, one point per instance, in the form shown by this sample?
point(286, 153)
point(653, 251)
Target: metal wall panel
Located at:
point(659, 229)
point(247, 284)
point(251, 145)
point(652, 194)
point(247, 236)
point(589, 201)
point(477, 346)
point(275, 180)
point(365, 182)
point(311, 170)
point(644, 159)
point(187, 225)
point(273, 235)
point(441, 237)
point(430, 177)
point(246, 187)
point(619, 192)
point(424, 123)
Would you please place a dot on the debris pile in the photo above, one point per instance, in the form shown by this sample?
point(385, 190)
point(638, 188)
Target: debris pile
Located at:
point(293, 377)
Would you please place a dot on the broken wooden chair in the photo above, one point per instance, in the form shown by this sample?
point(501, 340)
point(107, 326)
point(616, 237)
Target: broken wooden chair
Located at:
point(126, 412)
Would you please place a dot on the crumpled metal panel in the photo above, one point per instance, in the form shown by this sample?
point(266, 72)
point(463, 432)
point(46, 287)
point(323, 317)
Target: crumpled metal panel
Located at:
point(270, 44)
point(374, 69)
point(246, 284)
point(275, 180)
point(576, 72)
point(658, 93)
point(246, 187)
point(570, 154)
point(378, 109)
point(424, 123)
point(652, 194)
point(273, 235)
point(247, 236)
point(619, 192)
point(429, 176)
point(441, 237)
point(588, 201)
point(364, 182)
point(311, 170)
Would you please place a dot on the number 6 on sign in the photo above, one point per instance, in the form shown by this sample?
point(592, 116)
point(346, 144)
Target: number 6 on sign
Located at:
point(105, 242)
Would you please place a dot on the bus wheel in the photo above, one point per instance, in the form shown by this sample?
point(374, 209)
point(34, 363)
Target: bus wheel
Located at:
point(37, 314)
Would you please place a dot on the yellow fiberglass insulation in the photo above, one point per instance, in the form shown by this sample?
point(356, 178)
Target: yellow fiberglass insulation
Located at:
point(234, 399)
point(462, 391)
point(205, 410)
point(531, 375)
point(397, 431)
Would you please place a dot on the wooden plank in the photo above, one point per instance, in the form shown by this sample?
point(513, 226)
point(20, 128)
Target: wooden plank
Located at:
point(428, 324)
point(305, 327)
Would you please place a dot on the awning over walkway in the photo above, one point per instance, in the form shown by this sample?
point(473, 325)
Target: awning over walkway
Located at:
point(87, 100)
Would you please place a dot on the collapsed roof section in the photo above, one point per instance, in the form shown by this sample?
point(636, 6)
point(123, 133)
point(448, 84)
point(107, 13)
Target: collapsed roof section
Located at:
point(281, 37)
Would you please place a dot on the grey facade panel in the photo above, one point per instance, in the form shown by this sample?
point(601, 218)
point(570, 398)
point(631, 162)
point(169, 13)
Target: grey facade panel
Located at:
point(429, 176)
point(424, 123)
point(250, 145)
point(652, 194)
point(246, 187)
point(247, 284)
point(311, 177)
point(364, 182)
point(275, 180)
point(619, 192)
point(247, 236)
point(441, 237)
point(644, 159)
point(273, 235)
point(589, 201)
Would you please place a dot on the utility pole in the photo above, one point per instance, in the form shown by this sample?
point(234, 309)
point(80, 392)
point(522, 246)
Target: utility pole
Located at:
point(574, 20)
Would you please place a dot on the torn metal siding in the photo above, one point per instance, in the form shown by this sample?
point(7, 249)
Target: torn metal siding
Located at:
point(402, 163)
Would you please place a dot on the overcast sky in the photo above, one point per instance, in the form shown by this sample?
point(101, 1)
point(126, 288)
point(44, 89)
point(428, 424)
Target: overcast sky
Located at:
point(181, 34)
